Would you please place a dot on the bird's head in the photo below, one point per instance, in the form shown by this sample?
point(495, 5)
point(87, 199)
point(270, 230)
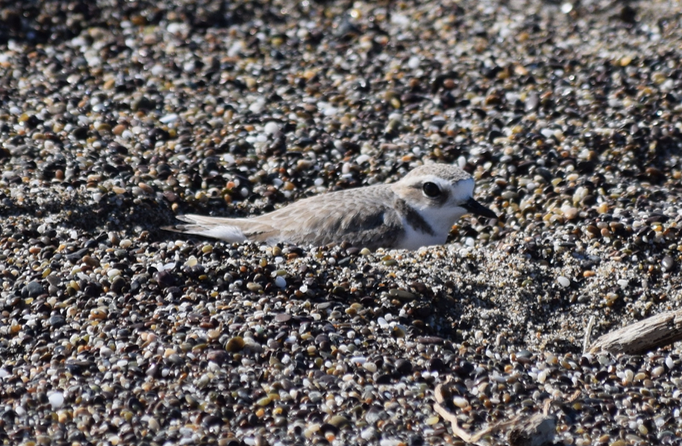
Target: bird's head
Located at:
point(440, 192)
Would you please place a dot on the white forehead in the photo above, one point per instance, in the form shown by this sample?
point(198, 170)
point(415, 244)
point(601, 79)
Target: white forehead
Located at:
point(463, 189)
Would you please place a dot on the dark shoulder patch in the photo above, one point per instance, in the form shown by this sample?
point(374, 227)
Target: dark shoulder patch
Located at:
point(413, 218)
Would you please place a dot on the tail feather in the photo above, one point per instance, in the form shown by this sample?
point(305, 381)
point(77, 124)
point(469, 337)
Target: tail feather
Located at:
point(227, 229)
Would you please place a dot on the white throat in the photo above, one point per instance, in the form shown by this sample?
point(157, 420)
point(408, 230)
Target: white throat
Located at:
point(440, 221)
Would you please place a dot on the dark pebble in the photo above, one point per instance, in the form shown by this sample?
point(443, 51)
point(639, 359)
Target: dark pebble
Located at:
point(80, 132)
point(175, 359)
point(436, 364)
point(32, 289)
point(403, 367)
point(383, 379)
point(165, 279)
point(283, 317)
point(118, 284)
point(57, 320)
point(217, 356)
point(93, 290)
point(429, 340)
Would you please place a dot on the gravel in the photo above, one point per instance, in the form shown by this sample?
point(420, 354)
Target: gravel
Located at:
point(115, 116)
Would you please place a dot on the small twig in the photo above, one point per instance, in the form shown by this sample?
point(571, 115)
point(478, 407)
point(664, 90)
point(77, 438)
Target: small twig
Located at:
point(588, 335)
point(546, 406)
point(447, 416)
point(573, 397)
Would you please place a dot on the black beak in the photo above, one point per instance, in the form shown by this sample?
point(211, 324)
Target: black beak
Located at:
point(477, 208)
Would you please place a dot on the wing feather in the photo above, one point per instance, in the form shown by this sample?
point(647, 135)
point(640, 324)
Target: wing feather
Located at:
point(362, 217)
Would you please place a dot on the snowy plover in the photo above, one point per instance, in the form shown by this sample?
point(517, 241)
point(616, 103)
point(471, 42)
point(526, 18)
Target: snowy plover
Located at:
point(419, 210)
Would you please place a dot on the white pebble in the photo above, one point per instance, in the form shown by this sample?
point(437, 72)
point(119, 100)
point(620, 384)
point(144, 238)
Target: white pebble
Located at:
point(157, 69)
point(563, 281)
point(413, 62)
point(235, 49)
point(362, 158)
point(56, 400)
point(176, 27)
point(368, 434)
point(390, 442)
point(257, 106)
point(330, 111)
point(271, 128)
point(400, 19)
point(171, 117)
point(460, 402)
point(370, 367)
point(542, 376)
point(105, 352)
point(547, 133)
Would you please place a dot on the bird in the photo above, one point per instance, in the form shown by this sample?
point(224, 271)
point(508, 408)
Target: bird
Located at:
point(418, 210)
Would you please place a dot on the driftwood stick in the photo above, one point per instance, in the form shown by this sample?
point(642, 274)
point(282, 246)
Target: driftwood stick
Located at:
point(643, 336)
point(449, 416)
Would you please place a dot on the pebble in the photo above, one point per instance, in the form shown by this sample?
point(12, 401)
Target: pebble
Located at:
point(57, 320)
point(34, 289)
point(564, 281)
point(283, 317)
point(271, 128)
point(668, 262)
point(56, 400)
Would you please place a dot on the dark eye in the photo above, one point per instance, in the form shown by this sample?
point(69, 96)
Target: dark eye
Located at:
point(431, 190)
